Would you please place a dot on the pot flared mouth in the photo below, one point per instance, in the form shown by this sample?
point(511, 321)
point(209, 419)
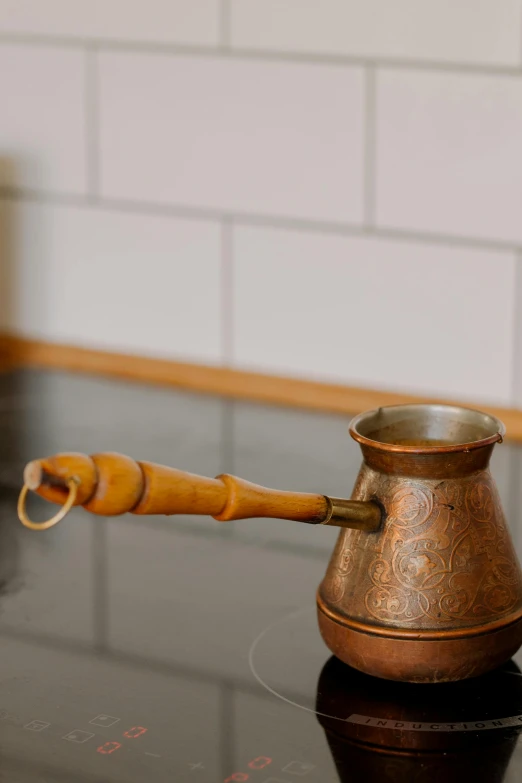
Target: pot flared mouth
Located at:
point(426, 429)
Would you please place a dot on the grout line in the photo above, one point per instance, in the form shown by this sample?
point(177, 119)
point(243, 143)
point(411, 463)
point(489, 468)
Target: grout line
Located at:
point(520, 41)
point(227, 733)
point(227, 350)
point(100, 606)
point(516, 359)
point(227, 293)
point(224, 25)
point(155, 47)
point(92, 123)
point(227, 453)
point(370, 131)
point(227, 440)
point(264, 221)
point(111, 204)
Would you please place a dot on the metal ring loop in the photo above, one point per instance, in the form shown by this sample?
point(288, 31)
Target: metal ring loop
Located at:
point(72, 483)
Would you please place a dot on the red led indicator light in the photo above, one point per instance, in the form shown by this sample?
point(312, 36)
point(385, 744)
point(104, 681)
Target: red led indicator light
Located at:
point(260, 762)
point(109, 747)
point(135, 732)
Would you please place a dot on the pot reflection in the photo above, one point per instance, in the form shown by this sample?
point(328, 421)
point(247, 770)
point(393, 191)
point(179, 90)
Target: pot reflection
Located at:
point(389, 731)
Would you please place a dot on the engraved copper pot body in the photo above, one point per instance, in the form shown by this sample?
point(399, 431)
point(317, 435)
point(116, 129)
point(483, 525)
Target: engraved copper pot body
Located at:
point(434, 595)
point(423, 585)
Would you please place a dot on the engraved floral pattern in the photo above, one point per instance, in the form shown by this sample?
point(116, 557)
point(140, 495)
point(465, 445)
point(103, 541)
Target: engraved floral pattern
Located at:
point(411, 506)
point(444, 562)
point(444, 554)
point(345, 562)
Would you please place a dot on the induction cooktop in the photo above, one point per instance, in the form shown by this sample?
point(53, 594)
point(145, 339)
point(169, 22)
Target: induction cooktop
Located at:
point(182, 649)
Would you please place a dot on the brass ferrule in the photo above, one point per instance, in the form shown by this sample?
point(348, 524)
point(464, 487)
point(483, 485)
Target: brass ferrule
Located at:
point(357, 514)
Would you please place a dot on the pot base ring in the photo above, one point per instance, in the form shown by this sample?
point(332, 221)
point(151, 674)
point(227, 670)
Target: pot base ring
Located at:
point(418, 660)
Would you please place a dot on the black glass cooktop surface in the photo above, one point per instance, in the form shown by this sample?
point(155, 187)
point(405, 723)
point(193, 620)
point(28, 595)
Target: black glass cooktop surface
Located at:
point(181, 649)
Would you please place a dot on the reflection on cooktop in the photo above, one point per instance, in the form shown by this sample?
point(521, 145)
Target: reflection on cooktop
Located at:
point(179, 649)
point(403, 731)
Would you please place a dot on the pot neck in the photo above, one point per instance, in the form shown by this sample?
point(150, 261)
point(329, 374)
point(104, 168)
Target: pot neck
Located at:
point(428, 466)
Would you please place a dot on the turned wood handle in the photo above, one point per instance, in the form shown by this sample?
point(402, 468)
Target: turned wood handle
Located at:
point(111, 484)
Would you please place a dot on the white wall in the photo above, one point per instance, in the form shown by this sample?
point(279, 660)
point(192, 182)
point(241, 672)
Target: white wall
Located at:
point(328, 190)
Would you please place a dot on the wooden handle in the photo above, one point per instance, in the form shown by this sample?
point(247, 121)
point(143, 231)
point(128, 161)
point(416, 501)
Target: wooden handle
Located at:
point(109, 484)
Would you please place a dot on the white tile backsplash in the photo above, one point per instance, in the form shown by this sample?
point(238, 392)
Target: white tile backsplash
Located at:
point(394, 181)
point(432, 320)
point(449, 154)
point(42, 124)
point(469, 31)
point(279, 139)
point(181, 21)
point(131, 283)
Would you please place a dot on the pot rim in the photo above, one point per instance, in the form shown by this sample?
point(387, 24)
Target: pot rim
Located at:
point(495, 437)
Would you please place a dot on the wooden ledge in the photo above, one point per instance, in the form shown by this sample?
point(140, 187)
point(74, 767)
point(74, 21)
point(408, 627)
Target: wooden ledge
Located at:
point(16, 352)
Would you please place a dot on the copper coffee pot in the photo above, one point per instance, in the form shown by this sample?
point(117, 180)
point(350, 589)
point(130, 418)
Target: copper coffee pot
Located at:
point(423, 585)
